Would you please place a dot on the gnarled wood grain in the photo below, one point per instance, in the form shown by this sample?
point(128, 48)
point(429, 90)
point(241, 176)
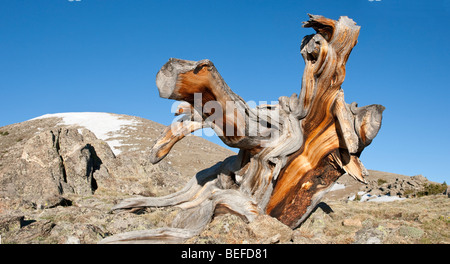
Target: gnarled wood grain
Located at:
point(290, 154)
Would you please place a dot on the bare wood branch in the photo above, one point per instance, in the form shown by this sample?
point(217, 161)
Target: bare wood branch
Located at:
point(291, 153)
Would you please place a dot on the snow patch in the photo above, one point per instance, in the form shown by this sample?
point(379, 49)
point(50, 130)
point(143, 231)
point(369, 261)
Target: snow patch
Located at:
point(386, 198)
point(337, 186)
point(365, 197)
point(105, 126)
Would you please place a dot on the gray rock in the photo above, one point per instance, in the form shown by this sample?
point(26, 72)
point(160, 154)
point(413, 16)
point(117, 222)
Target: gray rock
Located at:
point(420, 178)
point(373, 240)
point(352, 222)
point(409, 231)
point(53, 201)
point(299, 238)
point(371, 235)
point(270, 230)
point(56, 162)
point(403, 187)
point(72, 240)
point(10, 222)
point(31, 233)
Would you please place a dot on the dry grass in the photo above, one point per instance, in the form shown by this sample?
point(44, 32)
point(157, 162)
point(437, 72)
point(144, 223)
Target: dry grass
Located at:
point(416, 220)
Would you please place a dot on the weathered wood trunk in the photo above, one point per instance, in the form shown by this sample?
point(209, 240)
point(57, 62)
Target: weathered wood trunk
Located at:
point(290, 154)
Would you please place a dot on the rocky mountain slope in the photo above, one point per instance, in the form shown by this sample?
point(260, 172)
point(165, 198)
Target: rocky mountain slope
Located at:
point(61, 174)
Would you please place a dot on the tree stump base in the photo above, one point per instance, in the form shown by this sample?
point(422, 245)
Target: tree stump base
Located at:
point(290, 154)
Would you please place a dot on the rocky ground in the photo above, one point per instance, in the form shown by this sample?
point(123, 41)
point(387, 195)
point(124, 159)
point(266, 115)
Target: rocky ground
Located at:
point(411, 221)
point(86, 220)
point(58, 184)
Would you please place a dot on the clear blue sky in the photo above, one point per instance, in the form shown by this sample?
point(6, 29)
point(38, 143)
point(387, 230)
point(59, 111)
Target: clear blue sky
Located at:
point(98, 55)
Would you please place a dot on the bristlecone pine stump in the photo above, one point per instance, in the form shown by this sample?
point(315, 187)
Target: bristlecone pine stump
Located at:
point(290, 154)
